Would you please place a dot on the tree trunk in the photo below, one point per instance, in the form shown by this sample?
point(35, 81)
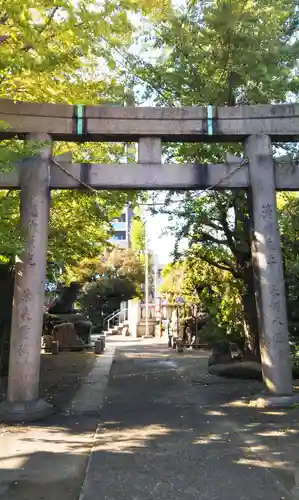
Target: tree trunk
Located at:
point(252, 349)
point(65, 302)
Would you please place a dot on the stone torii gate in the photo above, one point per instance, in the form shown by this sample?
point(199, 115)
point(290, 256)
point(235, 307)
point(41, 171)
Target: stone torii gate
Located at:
point(255, 126)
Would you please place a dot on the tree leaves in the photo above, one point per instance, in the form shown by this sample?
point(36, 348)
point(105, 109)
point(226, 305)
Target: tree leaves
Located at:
point(64, 52)
point(111, 278)
point(137, 233)
point(224, 53)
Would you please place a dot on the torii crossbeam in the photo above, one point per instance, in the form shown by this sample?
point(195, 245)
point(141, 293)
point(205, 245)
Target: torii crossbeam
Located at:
point(151, 176)
point(127, 124)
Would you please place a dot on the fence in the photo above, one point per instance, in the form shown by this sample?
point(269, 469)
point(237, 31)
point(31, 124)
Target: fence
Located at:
point(166, 311)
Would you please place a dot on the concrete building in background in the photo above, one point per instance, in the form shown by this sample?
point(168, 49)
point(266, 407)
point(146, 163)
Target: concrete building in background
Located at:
point(122, 228)
point(122, 225)
point(159, 278)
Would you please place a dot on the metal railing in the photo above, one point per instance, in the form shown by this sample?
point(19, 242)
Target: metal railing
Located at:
point(110, 316)
point(117, 316)
point(151, 309)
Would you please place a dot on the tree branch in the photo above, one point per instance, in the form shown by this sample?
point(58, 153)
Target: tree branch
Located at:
point(28, 47)
point(3, 19)
point(214, 225)
point(50, 19)
point(215, 264)
point(228, 233)
point(225, 265)
point(208, 237)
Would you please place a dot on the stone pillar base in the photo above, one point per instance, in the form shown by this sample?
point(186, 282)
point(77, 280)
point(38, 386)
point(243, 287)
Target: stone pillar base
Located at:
point(271, 401)
point(30, 411)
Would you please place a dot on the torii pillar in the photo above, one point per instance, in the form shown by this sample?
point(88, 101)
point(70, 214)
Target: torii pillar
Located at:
point(23, 403)
point(267, 257)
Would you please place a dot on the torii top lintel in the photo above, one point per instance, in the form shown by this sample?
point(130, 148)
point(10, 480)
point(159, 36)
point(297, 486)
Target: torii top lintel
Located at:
point(125, 124)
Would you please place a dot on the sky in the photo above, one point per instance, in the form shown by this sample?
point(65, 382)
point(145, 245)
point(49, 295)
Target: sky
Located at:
point(162, 246)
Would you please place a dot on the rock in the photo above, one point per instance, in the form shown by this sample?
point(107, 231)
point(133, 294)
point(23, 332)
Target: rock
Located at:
point(235, 351)
point(188, 335)
point(66, 336)
point(125, 331)
point(49, 322)
point(236, 369)
point(220, 355)
point(46, 342)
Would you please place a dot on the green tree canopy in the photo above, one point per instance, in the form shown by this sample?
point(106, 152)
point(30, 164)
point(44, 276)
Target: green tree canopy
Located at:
point(61, 51)
point(212, 290)
point(137, 234)
point(110, 279)
point(227, 52)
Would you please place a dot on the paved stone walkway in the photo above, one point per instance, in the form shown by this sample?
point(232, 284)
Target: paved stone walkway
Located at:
point(168, 432)
point(162, 429)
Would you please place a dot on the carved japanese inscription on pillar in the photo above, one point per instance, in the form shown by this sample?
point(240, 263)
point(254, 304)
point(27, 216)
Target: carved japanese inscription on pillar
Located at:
point(267, 211)
point(275, 293)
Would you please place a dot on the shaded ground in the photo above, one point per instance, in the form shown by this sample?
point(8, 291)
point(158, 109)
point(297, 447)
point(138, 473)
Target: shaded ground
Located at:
point(47, 460)
point(270, 436)
point(61, 376)
point(170, 430)
point(167, 430)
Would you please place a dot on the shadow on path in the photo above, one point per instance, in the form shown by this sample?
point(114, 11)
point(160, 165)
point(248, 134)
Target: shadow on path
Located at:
point(168, 431)
point(164, 437)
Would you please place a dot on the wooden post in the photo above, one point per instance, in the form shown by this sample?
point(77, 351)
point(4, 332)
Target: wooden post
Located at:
point(274, 341)
point(22, 402)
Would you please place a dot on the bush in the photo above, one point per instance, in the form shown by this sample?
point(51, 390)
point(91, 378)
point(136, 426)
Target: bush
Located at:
point(214, 335)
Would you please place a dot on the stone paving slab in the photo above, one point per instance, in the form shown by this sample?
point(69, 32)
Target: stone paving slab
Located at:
point(88, 399)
